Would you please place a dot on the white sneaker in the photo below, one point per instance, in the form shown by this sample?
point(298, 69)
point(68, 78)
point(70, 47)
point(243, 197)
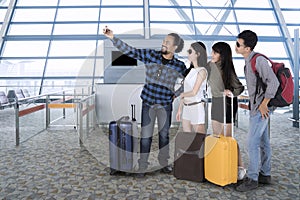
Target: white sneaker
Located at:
point(241, 173)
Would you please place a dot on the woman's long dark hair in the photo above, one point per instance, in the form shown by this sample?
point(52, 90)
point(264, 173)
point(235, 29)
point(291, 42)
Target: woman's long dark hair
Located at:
point(227, 66)
point(200, 48)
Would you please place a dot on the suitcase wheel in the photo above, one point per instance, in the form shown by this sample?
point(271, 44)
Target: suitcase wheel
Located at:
point(113, 171)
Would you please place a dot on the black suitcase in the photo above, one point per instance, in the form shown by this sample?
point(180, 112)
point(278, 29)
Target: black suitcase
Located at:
point(123, 144)
point(189, 156)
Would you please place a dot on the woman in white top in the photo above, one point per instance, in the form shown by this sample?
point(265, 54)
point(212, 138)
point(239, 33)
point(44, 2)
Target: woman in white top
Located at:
point(191, 107)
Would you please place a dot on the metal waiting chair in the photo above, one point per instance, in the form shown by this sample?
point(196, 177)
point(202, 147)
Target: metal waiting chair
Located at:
point(19, 94)
point(11, 95)
point(15, 95)
point(4, 102)
point(25, 93)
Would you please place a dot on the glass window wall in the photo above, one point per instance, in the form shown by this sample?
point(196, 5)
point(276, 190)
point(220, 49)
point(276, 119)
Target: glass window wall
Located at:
point(45, 40)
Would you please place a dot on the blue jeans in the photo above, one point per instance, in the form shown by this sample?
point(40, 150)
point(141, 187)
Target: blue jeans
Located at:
point(259, 148)
point(149, 115)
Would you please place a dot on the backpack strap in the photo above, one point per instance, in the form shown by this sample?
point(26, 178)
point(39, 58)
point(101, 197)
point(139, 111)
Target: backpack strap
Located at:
point(259, 81)
point(253, 61)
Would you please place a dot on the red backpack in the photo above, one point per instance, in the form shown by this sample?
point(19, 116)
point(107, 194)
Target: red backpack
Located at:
point(285, 92)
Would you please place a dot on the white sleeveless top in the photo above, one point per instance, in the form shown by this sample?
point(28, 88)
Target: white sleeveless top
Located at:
point(189, 83)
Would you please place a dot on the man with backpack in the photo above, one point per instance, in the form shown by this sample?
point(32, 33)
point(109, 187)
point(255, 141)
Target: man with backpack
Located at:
point(258, 141)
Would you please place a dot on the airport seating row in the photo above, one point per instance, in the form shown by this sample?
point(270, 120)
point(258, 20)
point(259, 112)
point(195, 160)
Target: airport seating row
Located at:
point(12, 96)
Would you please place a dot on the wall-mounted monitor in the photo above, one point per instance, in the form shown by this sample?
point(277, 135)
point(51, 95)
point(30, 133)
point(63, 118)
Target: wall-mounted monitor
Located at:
point(120, 59)
point(120, 68)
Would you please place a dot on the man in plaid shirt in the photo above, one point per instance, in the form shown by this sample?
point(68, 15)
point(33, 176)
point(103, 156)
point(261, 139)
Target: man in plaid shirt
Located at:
point(162, 72)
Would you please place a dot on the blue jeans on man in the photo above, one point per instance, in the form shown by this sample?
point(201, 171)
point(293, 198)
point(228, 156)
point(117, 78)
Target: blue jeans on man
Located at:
point(259, 148)
point(163, 115)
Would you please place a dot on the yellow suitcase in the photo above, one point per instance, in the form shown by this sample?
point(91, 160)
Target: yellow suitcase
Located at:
point(221, 158)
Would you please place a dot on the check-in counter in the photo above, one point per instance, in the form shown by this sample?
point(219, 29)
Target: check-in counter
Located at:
point(114, 101)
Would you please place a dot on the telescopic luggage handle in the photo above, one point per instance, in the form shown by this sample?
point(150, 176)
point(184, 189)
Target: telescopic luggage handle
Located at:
point(224, 115)
point(133, 112)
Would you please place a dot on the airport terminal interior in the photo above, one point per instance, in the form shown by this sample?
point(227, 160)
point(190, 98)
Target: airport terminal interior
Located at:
point(62, 82)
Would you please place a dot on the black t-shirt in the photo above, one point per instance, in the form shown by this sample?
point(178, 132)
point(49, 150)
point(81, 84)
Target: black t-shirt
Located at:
point(164, 61)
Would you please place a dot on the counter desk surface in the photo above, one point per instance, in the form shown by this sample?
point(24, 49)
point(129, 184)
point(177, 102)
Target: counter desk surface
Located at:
point(114, 101)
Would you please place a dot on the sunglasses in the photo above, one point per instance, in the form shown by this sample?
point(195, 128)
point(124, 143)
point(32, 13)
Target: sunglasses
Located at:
point(189, 51)
point(238, 45)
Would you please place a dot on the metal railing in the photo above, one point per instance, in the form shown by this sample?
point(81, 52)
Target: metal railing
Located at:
point(86, 115)
point(33, 114)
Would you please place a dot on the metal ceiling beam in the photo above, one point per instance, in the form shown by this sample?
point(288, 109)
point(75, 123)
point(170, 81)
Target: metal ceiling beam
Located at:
point(223, 19)
point(185, 17)
point(146, 19)
point(284, 30)
point(218, 28)
point(6, 21)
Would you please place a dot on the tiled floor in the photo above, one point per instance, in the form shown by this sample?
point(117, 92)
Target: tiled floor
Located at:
point(52, 165)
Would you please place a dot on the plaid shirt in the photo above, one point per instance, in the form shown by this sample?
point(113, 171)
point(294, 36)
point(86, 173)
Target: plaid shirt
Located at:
point(160, 79)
